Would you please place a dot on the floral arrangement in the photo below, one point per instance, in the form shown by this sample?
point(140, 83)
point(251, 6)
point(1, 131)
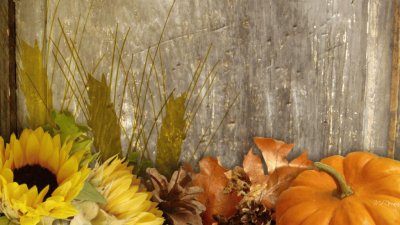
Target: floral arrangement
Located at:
point(61, 171)
point(51, 175)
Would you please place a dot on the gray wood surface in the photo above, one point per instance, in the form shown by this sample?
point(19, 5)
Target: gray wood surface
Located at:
point(394, 124)
point(316, 73)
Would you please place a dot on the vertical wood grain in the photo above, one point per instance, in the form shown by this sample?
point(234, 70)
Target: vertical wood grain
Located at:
point(316, 73)
point(12, 67)
point(378, 76)
point(8, 108)
point(394, 90)
point(4, 71)
point(31, 24)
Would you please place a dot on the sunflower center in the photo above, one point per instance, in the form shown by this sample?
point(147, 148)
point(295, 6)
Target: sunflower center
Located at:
point(38, 176)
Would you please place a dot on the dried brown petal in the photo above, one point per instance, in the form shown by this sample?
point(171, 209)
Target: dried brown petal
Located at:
point(213, 180)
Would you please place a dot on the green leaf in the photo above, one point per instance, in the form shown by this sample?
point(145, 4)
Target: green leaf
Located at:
point(84, 144)
point(90, 193)
point(67, 126)
point(5, 221)
point(172, 135)
point(140, 166)
point(103, 119)
point(34, 84)
point(133, 157)
point(90, 158)
point(141, 169)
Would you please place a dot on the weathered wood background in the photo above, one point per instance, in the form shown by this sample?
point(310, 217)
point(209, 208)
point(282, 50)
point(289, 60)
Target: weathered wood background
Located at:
point(7, 69)
point(4, 64)
point(317, 73)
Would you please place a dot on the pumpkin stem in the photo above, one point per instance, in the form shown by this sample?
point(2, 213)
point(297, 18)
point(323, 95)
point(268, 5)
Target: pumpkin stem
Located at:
point(343, 188)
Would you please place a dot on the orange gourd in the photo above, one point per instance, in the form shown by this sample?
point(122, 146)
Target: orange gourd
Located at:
point(359, 189)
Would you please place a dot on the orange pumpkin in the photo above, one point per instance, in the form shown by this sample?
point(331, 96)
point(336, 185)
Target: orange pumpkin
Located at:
point(359, 189)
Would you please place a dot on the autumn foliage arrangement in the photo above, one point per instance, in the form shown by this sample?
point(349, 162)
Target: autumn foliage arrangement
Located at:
point(63, 172)
point(247, 194)
point(361, 188)
point(51, 175)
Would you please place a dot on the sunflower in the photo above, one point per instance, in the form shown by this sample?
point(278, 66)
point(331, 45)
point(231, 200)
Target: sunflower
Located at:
point(39, 178)
point(125, 203)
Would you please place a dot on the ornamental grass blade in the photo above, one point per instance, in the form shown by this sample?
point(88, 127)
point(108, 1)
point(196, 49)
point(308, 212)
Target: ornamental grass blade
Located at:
point(103, 119)
point(171, 136)
point(34, 84)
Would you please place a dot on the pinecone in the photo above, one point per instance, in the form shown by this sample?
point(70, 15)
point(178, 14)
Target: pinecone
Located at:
point(249, 213)
point(177, 198)
point(238, 181)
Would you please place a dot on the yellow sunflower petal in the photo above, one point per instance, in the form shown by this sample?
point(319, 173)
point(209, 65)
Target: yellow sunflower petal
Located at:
point(125, 202)
point(32, 150)
point(122, 187)
point(37, 148)
point(52, 163)
point(67, 169)
point(7, 174)
point(39, 133)
point(24, 137)
point(1, 150)
point(79, 154)
point(77, 182)
point(16, 190)
point(64, 152)
point(19, 157)
point(62, 190)
point(46, 148)
point(29, 220)
point(116, 174)
point(113, 205)
point(57, 142)
point(41, 195)
point(60, 210)
point(138, 209)
point(30, 196)
point(146, 219)
point(9, 153)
